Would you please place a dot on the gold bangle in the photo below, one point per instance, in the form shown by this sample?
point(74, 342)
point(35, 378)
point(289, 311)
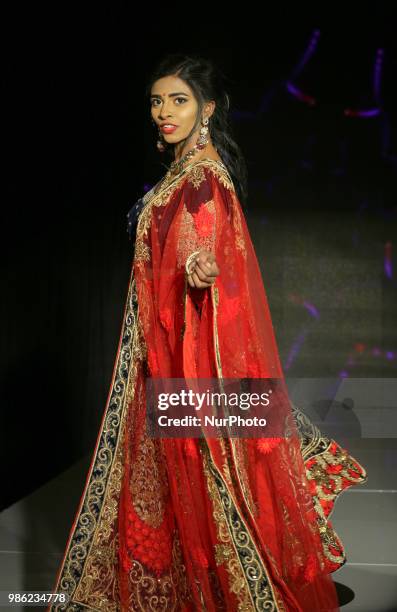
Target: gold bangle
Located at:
point(189, 261)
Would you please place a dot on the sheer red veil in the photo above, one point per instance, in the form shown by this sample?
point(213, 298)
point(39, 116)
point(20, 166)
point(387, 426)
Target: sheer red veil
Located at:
point(209, 523)
point(246, 499)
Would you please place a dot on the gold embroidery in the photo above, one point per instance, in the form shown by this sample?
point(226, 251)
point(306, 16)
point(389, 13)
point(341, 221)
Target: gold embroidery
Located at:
point(142, 251)
point(315, 445)
point(240, 465)
point(215, 301)
point(149, 483)
point(237, 226)
point(222, 553)
point(159, 197)
point(247, 574)
point(88, 571)
point(221, 172)
point(189, 238)
point(150, 594)
point(234, 444)
point(196, 176)
point(271, 600)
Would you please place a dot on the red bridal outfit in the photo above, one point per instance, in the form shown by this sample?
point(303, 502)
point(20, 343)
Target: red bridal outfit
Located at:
point(210, 523)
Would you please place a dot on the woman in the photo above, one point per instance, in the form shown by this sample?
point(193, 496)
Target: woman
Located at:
point(205, 522)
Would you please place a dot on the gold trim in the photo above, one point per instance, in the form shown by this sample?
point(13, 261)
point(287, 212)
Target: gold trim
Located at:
point(222, 486)
point(215, 302)
point(248, 577)
point(96, 514)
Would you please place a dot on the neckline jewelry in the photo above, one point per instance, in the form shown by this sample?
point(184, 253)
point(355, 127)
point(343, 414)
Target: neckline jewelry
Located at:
point(202, 141)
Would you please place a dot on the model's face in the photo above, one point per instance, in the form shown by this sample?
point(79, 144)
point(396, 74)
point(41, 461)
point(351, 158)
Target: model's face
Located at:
point(173, 102)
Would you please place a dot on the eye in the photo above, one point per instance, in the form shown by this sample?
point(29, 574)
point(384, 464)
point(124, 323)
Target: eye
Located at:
point(153, 102)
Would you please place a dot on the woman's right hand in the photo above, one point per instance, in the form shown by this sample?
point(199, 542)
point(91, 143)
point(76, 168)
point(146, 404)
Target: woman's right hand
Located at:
point(203, 271)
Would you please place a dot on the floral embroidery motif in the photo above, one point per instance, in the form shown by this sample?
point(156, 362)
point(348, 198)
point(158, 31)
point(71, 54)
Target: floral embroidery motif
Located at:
point(266, 445)
point(151, 547)
point(149, 484)
point(203, 221)
point(197, 231)
point(196, 176)
point(240, 243)
point(220, 171)
point(329, 470)
point(89, 569)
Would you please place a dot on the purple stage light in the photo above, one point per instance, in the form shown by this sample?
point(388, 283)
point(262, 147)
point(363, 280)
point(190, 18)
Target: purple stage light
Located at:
point(293, 90)
point(388, 269)
point(388, 265)
point(297, 93)
point(312, 309)
point(378, 75)
point(366, 114)
point(307, 54)
point(371, 112)
point(296, 347)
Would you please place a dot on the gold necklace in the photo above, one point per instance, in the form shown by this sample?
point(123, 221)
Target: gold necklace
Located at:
point(177, 166)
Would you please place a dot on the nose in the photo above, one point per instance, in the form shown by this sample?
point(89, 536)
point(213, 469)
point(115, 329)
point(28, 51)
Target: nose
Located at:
point(163, 111)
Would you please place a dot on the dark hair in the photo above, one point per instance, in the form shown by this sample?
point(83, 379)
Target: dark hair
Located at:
point(207, 83)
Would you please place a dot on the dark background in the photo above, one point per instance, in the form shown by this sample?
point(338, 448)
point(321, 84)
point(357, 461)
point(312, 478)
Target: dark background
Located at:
point(80, 149)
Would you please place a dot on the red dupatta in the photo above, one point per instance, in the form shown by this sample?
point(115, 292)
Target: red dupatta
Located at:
point(214, 523)
point(243, 508)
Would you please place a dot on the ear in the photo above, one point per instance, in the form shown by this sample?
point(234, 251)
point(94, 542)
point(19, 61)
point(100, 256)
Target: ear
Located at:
point(209, 108)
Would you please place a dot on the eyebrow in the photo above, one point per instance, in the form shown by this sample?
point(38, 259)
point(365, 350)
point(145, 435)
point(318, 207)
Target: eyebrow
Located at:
point(178, 93)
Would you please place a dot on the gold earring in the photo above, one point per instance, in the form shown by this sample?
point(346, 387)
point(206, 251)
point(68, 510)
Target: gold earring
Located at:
point(161, 145)
point(203, 138)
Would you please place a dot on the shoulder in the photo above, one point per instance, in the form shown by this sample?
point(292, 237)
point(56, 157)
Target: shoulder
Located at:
point(206, 171)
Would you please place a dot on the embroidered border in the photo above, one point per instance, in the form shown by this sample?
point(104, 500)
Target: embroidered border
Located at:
point(248, 577)
point(330, 470)
point(256, 591)
point(105, 470)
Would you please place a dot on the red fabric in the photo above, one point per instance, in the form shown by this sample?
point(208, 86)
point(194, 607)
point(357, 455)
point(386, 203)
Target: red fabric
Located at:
point(182, 327)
